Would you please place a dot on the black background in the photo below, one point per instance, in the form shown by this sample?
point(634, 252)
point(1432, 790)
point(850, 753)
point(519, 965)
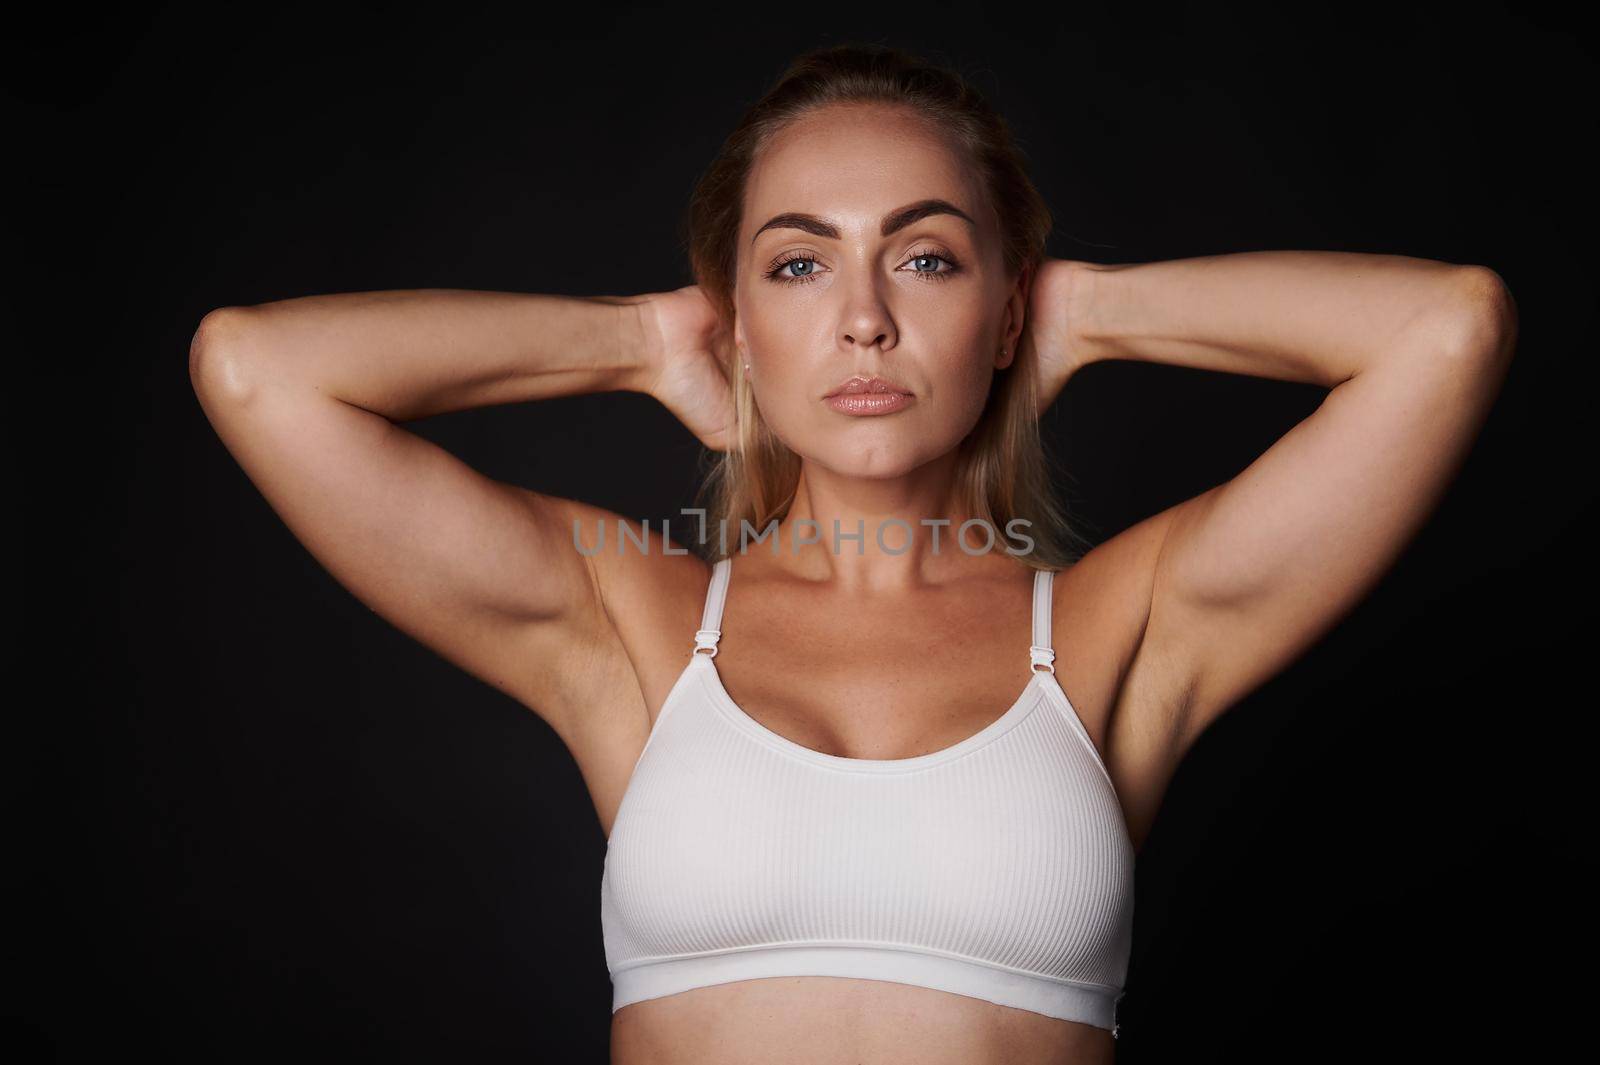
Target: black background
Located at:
point(252, 820)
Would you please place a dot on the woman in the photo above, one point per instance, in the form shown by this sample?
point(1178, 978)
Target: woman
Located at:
point(836, 845)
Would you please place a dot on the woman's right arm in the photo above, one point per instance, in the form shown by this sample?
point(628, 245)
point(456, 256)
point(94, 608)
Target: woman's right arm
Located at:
point(306, 393)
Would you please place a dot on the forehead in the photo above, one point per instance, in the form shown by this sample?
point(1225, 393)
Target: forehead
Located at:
point(854, 163)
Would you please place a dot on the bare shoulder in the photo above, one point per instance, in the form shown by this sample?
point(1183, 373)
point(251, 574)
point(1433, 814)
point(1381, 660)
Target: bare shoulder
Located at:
point(1128, 692)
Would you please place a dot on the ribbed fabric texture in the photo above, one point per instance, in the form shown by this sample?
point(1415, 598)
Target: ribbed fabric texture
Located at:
point(999, 868)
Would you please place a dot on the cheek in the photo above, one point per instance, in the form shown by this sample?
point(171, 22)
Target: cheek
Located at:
point(967, 383)
point(779, 388)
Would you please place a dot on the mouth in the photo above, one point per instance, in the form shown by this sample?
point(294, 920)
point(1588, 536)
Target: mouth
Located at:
point(874, 385)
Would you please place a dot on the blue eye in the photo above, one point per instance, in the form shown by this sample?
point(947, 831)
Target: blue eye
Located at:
point(778, 271)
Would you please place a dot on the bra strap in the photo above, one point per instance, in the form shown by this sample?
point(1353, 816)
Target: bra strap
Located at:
point(1041, 653)
point(710, 621)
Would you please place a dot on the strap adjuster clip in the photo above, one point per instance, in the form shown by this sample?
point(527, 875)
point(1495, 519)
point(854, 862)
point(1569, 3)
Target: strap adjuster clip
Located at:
point(706, 640)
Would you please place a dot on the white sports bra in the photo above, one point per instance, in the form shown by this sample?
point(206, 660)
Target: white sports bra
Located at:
point(999, 868)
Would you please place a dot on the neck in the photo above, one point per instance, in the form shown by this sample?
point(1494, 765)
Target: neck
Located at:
point(882, 534)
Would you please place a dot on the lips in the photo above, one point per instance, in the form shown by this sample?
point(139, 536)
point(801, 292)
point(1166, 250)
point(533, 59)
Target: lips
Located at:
point(857, 385)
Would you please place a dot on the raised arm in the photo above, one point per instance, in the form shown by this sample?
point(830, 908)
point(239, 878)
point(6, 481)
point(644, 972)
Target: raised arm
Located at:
point(307, 393)
point(1248, 574)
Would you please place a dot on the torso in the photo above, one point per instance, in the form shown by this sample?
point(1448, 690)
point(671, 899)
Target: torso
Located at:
point(819, 1020)
point(791, 659)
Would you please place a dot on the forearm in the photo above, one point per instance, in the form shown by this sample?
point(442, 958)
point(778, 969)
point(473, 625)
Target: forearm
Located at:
point(1317, 317)
point(413, 353)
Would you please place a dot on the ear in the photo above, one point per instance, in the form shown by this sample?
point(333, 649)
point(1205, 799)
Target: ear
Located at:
point(1016, 318)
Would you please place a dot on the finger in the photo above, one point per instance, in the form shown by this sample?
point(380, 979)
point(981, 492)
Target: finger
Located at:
point(723, 351)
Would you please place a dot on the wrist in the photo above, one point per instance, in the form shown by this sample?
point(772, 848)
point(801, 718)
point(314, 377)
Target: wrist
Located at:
point(638, 349)
point(1093, 285)
point(1101, 307)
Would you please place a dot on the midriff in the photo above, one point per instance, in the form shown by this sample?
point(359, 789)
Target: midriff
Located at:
point(825, 1020)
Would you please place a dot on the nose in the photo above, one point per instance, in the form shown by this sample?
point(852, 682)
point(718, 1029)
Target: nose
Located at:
point(866, 321)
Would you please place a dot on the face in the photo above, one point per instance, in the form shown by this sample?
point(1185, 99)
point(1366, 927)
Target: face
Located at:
point(818, 300)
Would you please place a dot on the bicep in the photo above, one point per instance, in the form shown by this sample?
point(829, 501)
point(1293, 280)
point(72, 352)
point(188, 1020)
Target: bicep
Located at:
point(1257, 569)
point(484, 573)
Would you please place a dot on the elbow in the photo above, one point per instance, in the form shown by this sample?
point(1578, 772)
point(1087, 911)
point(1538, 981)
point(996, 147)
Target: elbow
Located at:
point(217, 352)
point(1483, 315)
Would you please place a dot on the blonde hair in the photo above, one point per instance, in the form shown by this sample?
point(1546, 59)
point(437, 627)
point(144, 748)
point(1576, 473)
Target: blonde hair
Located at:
point(1003, 471)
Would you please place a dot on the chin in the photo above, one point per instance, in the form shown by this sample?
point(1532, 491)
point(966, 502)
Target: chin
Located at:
point(874, 448)
point(877, 459)
point(870, 467)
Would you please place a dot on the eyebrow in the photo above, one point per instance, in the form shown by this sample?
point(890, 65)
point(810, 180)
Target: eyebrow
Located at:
point(892, 222)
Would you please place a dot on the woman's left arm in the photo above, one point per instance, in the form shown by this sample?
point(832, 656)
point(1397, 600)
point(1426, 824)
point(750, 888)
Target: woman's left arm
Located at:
point(1253, 571)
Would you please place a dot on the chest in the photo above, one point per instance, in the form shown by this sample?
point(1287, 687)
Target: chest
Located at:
point(732, 835)
point(877, 683)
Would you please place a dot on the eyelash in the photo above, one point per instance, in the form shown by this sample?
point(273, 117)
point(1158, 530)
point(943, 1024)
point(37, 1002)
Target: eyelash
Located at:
point(774, 272)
